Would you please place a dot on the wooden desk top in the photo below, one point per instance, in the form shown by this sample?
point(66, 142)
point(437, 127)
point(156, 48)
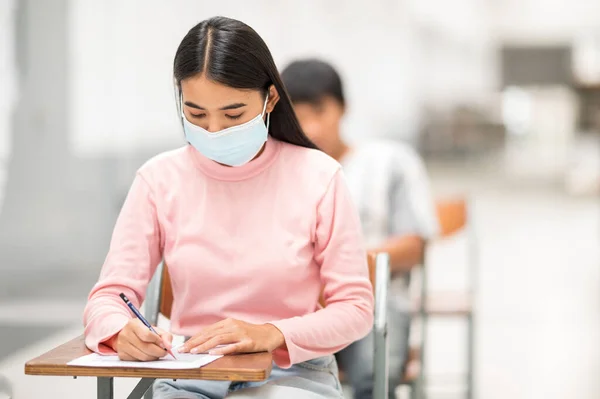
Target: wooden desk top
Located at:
point(245, 367)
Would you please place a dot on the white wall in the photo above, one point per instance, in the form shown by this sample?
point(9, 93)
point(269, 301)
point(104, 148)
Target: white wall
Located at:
point(122, 53)
point(545, 21)
point(457, 62)
point(545, 152)
point(7, 86)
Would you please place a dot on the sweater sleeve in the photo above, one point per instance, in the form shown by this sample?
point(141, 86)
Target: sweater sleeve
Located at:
point(132, 259)
point(348, 294)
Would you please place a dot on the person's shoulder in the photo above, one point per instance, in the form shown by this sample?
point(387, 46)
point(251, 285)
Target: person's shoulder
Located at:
point(311, 163)
point(311, 158)
point(386, 148)
point(396, 153)
point(165, 165)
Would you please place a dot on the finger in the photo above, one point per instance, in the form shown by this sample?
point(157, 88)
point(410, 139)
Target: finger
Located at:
point(201, 339)
point(144, 334)
point(151, 349)
point(136, 354)
point(239, 347)
point(167, 337)
point(203, 336)
point(221, 339)
point(125, 356)
point(221, 325)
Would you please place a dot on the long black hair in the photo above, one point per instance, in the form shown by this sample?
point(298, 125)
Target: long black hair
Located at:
point(231, 53)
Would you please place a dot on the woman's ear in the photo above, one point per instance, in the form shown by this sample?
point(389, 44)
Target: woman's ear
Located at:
point(273, 98)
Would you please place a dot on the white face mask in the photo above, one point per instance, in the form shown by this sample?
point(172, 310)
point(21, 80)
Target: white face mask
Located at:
point(234, 146)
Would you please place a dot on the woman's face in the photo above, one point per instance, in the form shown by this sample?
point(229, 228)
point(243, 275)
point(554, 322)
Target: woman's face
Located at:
point(215, 107)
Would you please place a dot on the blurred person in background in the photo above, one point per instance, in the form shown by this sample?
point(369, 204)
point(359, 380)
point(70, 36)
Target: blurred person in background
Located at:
point(390, 187)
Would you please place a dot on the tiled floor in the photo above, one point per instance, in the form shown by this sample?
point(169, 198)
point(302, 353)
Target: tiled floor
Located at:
point(538, 330)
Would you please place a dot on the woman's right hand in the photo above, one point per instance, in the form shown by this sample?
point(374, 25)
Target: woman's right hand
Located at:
point(135, 342)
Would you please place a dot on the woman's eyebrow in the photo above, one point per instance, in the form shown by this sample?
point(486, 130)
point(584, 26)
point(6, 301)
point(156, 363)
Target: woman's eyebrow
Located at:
point(232, 106)
point(225, 108)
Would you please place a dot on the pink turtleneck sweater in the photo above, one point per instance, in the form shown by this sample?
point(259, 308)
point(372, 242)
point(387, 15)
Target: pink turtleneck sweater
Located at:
point(255, 243)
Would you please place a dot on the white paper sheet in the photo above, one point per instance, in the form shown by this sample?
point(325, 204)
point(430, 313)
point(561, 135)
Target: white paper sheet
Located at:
point(183, 361)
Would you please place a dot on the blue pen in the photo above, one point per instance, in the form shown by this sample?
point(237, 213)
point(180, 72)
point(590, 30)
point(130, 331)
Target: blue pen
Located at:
point(142, 318)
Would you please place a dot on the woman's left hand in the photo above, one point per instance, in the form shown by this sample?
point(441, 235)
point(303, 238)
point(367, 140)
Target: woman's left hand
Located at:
point(236, 336)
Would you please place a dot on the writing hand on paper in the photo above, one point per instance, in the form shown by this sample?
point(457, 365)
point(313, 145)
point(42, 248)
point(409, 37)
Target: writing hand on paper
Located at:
point(235, 337)
point(136, 342)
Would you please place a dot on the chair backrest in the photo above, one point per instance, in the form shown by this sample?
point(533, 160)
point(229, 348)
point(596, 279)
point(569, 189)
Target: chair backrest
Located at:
point(452, 215)
point(166, 289)
point(371, 261)
point(166, 293)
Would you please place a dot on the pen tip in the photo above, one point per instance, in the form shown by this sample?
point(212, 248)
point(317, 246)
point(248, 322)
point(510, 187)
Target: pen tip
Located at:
point(123, 297)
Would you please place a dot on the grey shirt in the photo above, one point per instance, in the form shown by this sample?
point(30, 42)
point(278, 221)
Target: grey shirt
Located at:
point(390, 188)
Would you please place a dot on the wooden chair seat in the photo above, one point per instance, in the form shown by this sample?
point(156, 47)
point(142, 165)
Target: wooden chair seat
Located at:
point(446, 303)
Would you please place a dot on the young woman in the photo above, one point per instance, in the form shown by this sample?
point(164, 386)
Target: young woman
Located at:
point(253, 223)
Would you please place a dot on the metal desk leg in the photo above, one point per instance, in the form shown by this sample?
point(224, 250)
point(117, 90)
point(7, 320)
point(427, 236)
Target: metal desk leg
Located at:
point(420, 392)
point(149, 394)
point(105, 388)
point(470, 357)
point(141, 388)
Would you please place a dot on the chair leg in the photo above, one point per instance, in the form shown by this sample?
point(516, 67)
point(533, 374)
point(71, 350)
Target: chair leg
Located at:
point(105, 388)
point(470, 356)
point(413, 390)
point(420, 383)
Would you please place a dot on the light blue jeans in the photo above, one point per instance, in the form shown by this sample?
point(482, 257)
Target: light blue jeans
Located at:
point(316, 378)
point(356, 360)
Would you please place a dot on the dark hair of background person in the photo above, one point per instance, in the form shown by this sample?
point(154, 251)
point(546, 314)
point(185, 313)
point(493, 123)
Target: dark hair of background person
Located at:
point(310, 80)
point(231, 53)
